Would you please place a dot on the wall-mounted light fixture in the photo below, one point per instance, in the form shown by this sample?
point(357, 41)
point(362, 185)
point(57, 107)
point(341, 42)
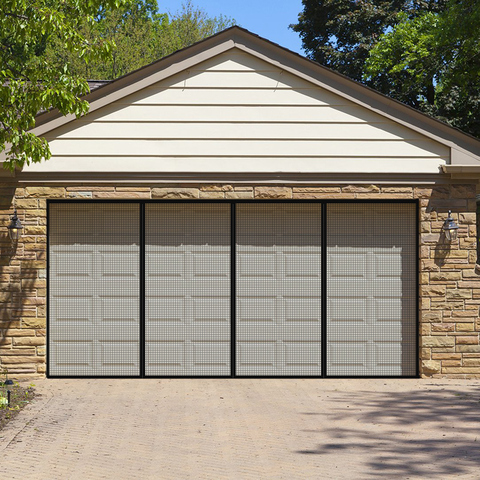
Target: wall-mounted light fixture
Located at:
point(450, 228)
point(15, 227)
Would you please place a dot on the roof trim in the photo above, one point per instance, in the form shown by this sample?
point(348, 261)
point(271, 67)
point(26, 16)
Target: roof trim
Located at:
point(463, 145)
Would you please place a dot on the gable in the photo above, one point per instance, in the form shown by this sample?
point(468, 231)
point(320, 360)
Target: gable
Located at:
point(237, 113)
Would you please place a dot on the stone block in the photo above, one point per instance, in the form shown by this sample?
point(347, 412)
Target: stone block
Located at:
point(430, 367)
point(35, 230)
point(45, 192)
point(443, 327)
point(26, 204)
point(239, 194)
point(438, 341)
point(10, 360)
point(433, 290)
point(32, 322)
point(447, 356)
point(19, 332)
point(16, 351)
point(429, 238)
point(465, 327)
point(84, 194)
point(444, 276)
point(451, 363)
point(273, 192)
point(19, 370)
point(361, 189)
point(468, 348)
point(212, 194)
point(462, 370)
point(467, 340)
point(175, 193)
point(422, 192)
point(432, 317)
point(458, 294)
point(471, 362)
point(216, 188)
point(397, 190)
point(29, 341)
point(467, 218)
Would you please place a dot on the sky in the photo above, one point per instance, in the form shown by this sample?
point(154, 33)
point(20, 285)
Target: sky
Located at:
point(268, 18)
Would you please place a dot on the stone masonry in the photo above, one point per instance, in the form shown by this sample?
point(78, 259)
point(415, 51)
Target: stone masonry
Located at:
point(449, 286)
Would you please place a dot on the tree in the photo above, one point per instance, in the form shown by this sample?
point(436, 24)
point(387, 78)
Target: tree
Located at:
point(340, 33)
point(141, 34)
point(29, 83)
point(432, 62)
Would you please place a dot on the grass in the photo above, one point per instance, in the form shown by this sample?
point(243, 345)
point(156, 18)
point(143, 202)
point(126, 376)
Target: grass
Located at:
point(20, 397)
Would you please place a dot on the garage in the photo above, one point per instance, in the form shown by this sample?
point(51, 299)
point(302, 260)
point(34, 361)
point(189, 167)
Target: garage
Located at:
point(232, 288)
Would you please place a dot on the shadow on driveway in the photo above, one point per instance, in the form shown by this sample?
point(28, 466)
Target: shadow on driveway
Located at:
point(427, 434)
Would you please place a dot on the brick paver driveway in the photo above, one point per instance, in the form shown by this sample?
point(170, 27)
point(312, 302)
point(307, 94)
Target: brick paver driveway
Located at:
point(242, 429)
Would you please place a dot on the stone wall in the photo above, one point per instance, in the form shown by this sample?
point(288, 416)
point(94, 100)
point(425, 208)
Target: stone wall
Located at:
point(449, 286)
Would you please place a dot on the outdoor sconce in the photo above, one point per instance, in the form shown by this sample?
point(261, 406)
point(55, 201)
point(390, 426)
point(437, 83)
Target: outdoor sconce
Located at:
point(15, 227)
point(450, 228)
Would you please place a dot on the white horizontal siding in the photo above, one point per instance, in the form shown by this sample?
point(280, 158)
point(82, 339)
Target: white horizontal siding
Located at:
point(236, 113)
point(223, 130)
point(276, 148)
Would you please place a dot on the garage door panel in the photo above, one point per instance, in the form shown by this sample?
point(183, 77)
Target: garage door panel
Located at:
point(119, 354)
point(302, 356)
point(94, 265)
point(73, 355)
point(371, 273)
point(278, 288)
point(187, 289)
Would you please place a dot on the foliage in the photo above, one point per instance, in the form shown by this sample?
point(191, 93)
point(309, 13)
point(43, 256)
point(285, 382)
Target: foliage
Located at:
point(142, 35)
point(432, 63)
point(340, 33)
point(20, 397)
point(30, 83)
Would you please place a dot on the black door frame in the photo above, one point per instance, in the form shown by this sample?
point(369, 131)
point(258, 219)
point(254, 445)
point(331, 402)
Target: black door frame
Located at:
point(233, 202)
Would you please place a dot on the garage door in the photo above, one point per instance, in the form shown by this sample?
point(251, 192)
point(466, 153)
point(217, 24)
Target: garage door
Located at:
point(264, 289)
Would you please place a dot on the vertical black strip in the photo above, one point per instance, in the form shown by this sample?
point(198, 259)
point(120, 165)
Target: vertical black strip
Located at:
point(233, 293)
point(47, 305)
point(417, 268)
point(324, 288)
point(142, 289)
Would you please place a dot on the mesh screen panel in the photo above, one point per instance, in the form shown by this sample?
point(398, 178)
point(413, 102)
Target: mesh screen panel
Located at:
point(93, 289)
point(278, 304)
point(371, 289)
point(187, 289)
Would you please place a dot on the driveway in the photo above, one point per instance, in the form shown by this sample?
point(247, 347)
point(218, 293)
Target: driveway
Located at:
point(246, 429)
